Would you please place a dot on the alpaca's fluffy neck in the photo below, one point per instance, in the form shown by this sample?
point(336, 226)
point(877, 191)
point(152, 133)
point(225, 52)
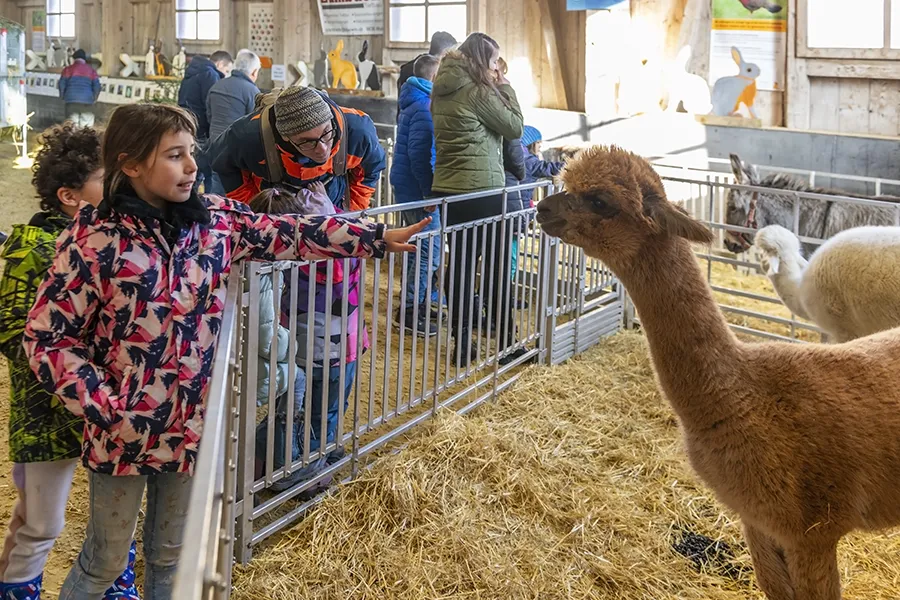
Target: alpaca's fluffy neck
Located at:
point(787, 283)
point(693, 350)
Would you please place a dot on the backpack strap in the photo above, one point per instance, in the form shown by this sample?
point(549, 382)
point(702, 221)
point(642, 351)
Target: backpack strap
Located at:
point(273, 156)
point(339, 162)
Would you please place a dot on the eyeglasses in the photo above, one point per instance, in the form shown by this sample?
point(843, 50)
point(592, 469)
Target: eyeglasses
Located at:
point(325, 138)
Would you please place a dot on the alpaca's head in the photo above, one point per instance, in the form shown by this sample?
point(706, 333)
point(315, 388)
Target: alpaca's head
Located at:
point(777, 245)
point(613, 206)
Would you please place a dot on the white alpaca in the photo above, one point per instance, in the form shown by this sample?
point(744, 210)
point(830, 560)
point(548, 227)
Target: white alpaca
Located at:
point(851, 285)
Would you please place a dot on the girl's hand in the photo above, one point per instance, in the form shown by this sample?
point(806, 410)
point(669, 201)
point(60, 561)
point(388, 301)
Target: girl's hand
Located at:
point(396, 239)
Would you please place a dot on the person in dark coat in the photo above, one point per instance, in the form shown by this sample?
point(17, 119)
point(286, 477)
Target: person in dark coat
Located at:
point(411, 176)
point(231, 98)
point(200, 76)
point(441, 43)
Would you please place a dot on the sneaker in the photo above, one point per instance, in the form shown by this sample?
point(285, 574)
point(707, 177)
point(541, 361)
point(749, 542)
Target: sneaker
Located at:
point(423, 326)
point(334, 456)
point(28, 590)
point(301, 475)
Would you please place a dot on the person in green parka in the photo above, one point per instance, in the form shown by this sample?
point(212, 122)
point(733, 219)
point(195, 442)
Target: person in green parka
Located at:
point(475, 109)
point(44, 438)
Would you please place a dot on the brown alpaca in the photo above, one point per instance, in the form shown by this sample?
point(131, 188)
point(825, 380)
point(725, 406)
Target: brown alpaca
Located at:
point(803, 441)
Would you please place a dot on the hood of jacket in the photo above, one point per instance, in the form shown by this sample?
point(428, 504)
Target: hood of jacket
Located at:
point(415, 91)
point(453, 74)
point(21, 238)
point(198, 65)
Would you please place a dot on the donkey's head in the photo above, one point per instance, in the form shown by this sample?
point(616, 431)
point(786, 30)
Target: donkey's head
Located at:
point(741, 206)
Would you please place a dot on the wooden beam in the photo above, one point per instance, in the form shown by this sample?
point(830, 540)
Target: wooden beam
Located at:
point(861, 69)
point(551, 47)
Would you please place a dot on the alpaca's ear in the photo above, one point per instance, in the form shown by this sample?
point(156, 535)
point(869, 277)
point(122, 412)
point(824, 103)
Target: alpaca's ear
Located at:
point(744, 172)
point(674, 220)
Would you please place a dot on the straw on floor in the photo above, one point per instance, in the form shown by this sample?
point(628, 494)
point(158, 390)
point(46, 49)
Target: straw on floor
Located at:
point(573, 485)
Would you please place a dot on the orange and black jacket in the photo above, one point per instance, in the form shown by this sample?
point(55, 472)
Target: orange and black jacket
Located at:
point(239, 158)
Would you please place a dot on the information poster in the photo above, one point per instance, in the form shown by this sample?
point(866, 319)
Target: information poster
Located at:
point(262, 29)
point(591, 4)
point(352, 17)
point(38, 30)
point(758, 29)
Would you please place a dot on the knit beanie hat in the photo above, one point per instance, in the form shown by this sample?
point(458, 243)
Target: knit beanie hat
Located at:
point(531, 135)
point(299, 109)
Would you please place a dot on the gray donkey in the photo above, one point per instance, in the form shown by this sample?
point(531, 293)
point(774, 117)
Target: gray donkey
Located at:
point(819, 219)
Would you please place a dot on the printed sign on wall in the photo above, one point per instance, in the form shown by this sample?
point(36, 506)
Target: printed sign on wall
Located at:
point(352, 17)
point(759, 30)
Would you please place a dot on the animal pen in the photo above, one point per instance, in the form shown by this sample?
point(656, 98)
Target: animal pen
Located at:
point(562, 303)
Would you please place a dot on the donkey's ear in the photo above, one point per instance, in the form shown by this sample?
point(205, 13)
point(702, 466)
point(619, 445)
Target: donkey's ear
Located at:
point(674, 220)
point(744, 172)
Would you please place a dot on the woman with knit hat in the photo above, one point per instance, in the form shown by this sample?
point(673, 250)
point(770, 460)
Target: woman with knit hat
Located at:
point(311, 134)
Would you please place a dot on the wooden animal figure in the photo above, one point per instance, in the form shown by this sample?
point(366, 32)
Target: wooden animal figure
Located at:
point(690, 90)
point(178, 63)
point(50, 55)
point(755, 5)
point(342, 71)
point(320, 70)
point(150, 62)
point(800, 440)
point(368, 70)
point(730, 92)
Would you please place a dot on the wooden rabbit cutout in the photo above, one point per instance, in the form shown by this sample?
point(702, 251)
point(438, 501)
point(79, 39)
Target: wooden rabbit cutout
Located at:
point(730, 92)
point(342, 71)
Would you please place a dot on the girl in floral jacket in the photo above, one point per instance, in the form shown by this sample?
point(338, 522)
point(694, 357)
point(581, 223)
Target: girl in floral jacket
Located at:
point(125, 326)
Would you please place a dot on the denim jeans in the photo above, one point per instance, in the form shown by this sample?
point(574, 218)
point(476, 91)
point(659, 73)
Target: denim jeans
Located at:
point(419, 261)
point(318, 388)
point(114, 506)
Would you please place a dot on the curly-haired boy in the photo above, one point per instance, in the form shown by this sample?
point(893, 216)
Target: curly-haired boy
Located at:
point(44, 438)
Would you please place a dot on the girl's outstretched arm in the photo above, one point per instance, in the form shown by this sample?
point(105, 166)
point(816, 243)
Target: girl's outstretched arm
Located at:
point(296, 237)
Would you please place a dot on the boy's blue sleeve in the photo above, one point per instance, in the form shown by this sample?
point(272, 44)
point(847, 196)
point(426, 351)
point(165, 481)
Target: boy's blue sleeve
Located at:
point(421, 150)
point(63, 82)
point(95, 87)
point(538, 168)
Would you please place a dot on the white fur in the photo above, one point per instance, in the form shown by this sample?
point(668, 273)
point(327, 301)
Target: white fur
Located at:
point(851, 285)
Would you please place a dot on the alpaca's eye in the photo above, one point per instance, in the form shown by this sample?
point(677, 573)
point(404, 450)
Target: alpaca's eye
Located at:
point(599, 205)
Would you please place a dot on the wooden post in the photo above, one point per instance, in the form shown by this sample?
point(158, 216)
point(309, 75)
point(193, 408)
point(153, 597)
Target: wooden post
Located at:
point(116, 37)
point(551, 46)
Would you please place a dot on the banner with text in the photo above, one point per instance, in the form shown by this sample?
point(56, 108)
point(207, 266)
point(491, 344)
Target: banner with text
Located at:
point(352, 17)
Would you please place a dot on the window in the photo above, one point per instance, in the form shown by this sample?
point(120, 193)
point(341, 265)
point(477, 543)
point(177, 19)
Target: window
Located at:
point(413, 22)
point(61, 18)
point(871, 30)
point(197, 19)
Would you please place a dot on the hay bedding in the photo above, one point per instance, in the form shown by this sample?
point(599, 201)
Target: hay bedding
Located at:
point(574, 485)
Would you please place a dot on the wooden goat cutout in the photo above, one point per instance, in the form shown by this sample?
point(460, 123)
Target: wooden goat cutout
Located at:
point(801, 440)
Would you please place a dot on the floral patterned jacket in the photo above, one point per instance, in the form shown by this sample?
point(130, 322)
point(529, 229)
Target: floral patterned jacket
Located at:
point(125, 326)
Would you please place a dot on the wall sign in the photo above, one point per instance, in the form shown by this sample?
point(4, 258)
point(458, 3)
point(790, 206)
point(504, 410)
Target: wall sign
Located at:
point(352, 17)
point(591, 4)
point(759, 32)
point(262, 28)
point(38, 30)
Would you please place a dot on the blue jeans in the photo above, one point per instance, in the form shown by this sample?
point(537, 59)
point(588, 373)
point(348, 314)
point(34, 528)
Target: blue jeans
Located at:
point(420, 262)
point(318, 388)
point(114, 506)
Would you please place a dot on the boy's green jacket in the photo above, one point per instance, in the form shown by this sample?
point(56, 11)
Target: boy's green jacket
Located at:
point(40, 428)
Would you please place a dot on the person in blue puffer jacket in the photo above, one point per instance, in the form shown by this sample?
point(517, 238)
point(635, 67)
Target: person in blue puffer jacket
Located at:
point(411, 177)
point(79, 87)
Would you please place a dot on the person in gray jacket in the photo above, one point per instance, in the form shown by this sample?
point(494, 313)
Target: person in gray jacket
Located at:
point(231, 98)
